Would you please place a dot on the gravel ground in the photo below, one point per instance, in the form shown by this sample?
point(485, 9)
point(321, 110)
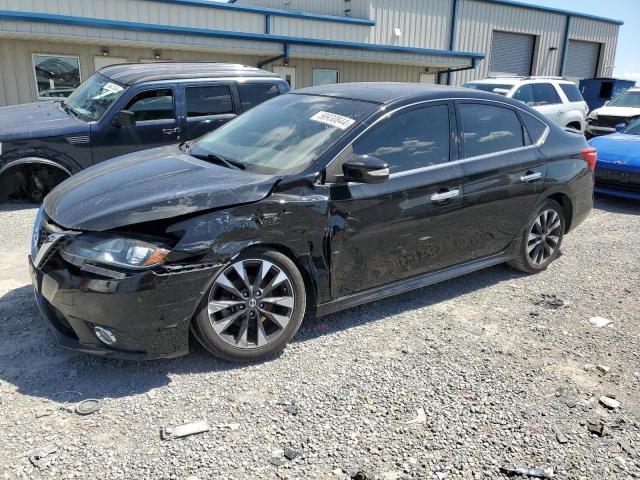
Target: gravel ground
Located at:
point(507, 368)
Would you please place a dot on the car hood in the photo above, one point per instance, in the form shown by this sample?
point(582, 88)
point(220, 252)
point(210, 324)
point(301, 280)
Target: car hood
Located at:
point(618, 148)
point(150, 185)
point(37, 120)
point(624, 112)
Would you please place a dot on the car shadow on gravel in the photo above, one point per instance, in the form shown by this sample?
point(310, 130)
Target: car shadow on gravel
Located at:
point(31, 360)
point(626, 206)
point(416, 299)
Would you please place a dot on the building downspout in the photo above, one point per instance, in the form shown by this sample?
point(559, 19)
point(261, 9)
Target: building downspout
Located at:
point(451, 70)
point(565, 47)
point(275, 59)
point(452, 33)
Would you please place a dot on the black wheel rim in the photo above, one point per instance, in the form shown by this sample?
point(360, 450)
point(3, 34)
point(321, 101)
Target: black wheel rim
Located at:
point(251, 303)
point(544, 237)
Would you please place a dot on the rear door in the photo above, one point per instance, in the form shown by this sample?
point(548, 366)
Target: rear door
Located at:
point(207, 106)
point(409, 224)
point(548, 102)
point(155, 110)
point(503, 173)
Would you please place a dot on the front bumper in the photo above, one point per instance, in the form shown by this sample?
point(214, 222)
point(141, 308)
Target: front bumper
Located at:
point(616, 181)
point(596, 131)
point(148, 312)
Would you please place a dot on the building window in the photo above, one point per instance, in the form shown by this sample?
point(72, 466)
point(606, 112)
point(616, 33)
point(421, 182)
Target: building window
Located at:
point(324, 77)
point(56, 75)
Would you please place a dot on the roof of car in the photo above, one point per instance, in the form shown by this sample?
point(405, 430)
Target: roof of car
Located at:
point(391, 92)
point(132, 73)
point(517, 80)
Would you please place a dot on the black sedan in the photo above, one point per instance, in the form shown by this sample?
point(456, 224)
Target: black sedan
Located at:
point(315, 201)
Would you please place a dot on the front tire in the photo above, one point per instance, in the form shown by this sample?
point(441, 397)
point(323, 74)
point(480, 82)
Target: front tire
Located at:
point(541, 238)
point(253, 308)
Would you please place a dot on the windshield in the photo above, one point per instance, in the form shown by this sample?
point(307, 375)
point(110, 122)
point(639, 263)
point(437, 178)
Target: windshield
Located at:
point(499, 88)
point(633, 128)
point(285, 134)
point(626, 99)
point(94, 97)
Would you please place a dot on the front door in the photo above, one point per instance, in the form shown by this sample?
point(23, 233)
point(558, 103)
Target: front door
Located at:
point(503, 173)
point(288, 74)
point(407, 225)
point(156, 125)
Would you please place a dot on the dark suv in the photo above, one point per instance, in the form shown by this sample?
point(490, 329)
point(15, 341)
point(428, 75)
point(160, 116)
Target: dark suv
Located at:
point(122, 109)
point(315, 201)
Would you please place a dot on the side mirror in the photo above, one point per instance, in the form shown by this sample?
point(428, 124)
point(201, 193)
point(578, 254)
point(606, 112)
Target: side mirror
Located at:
point(124, 118)
point(365, 169)
point(621, 127)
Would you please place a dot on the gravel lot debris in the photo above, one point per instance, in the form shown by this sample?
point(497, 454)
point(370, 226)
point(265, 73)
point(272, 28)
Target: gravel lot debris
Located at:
point(496, 383)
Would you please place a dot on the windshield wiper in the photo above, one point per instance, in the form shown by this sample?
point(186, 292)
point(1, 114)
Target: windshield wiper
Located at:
point(212, 157)
point(68, 109)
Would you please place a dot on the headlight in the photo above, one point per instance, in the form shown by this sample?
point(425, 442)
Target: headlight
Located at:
point(116, 250)
point(593, 115)
point(35, 234)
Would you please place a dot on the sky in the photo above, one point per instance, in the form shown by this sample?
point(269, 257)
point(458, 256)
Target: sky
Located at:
point(627, 63)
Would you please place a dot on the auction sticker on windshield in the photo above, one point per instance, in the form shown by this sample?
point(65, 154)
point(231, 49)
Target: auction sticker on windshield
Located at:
point(333, 119)
point(112, 87)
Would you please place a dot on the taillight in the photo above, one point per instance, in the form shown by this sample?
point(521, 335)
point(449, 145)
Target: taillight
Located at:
point(590, 154)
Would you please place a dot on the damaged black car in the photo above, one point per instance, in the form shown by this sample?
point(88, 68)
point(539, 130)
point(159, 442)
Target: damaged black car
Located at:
point(315, 201)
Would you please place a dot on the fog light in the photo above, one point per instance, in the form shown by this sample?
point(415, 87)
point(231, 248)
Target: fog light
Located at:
point(104, 335)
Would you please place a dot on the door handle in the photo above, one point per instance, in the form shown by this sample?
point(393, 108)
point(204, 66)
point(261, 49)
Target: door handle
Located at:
point(448, 195)
point(560, 112)
point(530, 177)
point(169, 131)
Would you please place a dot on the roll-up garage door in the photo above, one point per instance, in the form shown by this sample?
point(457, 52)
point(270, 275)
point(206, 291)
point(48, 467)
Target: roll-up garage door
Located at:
point(582, 59)
point(511, 53)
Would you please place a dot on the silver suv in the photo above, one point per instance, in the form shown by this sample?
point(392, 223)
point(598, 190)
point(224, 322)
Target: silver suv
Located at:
point(557, 99)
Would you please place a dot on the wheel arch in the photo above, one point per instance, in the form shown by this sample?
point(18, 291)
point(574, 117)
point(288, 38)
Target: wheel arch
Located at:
point(302, 263)
point(19, 175)
point(33, 161)
point(567, 207)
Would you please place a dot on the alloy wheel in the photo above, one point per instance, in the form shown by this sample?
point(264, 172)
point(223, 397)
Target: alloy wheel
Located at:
point(544, 236)
point(251, 303)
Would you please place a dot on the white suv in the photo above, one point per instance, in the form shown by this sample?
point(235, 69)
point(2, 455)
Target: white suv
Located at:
point(557, 99)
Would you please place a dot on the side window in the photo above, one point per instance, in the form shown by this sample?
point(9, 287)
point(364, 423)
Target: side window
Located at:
point(490, 129)
point(572, 92)
point(524, 94)
point(535, 127)
point(152, 105)
point(208, 100)
point(252, 94)
point(545, 94)
point(409, 140)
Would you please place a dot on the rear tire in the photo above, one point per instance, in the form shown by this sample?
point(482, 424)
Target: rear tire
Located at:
point(254, 307)
point(541, 239)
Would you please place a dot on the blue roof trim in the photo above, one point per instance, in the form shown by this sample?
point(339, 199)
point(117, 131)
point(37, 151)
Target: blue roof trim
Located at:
point(276, 12)
point(511, 3)
point(150, 27)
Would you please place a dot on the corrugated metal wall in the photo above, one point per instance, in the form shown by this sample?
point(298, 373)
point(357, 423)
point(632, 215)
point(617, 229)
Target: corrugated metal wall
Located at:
point(477, 20)
point(601, 32)
point(17, 79)
point(359, 8)
point(354, 71)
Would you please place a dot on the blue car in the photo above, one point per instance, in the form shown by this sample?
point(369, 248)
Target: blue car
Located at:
point(618, 167)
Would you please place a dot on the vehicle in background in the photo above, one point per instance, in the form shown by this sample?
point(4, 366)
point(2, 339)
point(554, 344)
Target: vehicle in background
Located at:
point(557, 99)
point(121, 109)
point(623, 109)
point(598, 91)
point(618, 167)
point(315, 201)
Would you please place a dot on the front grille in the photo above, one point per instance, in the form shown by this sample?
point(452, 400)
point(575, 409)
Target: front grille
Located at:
point(609, 121)
point(46, 228)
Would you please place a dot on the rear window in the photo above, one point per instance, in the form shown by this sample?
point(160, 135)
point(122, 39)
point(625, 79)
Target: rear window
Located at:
point(252, 94)
point(572, 92)
point(499, 88)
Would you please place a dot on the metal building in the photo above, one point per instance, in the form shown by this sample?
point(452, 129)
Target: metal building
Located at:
point(48, 46)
